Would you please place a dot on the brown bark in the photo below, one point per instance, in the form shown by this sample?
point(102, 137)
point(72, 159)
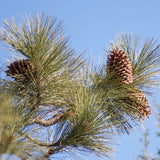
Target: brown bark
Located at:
point(46, 122)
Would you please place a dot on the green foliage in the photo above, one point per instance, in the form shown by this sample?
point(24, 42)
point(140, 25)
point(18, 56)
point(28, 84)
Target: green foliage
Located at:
point(66, 105)
point(145, 59)
point(87, 128)
point(12, 140)
point(42, 41)
point(145, 65)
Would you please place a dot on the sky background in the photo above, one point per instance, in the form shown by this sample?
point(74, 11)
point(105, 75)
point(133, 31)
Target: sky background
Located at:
point(92, 24)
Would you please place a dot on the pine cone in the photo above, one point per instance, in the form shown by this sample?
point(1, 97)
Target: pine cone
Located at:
point(119, 63)
point(142, 104)
point(21, 70)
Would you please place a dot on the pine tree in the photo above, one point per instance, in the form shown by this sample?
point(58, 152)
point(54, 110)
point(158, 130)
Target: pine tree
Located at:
point(53, 102)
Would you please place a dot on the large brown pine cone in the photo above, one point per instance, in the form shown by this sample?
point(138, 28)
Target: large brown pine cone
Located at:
point(21, 70)
point(119, 63)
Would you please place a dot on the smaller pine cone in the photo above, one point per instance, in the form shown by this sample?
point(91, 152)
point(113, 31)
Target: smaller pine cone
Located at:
point(21, 70)
point(142, 104)
point(121, 65)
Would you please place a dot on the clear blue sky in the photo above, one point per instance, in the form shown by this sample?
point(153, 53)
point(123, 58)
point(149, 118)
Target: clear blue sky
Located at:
point(91, 25)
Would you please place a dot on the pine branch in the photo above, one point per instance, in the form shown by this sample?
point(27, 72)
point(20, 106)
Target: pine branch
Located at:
point(46, 122)
point(145, 59)
point(53, 144)
point(129, 70)
point(48, 154)
point(12, 140)
point(43, 43)
point(51, 74)
point(46, 74)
